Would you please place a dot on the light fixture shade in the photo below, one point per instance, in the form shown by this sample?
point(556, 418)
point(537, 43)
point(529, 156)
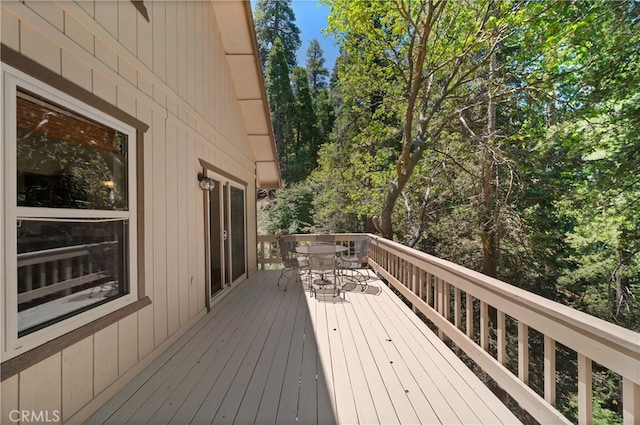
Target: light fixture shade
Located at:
point(206, 183)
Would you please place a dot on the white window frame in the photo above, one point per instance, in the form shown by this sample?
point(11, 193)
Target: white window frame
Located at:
point(12, 345)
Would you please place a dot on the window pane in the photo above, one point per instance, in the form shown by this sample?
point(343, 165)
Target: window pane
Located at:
point(68, 267)
point(66, 160)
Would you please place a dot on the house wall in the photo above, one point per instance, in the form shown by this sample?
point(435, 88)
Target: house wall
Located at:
point(171, 74)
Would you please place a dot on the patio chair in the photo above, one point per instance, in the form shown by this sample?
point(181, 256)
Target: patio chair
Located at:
point(323, 263)
point(356, 262)
point(292, 262)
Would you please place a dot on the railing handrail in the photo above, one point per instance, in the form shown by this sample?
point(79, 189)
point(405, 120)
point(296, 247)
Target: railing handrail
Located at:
point(588, 328)
point(55, 254)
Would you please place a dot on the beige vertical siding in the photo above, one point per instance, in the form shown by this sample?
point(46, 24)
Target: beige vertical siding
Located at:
point(40, 387)
point(171, 74)
point(77, 370)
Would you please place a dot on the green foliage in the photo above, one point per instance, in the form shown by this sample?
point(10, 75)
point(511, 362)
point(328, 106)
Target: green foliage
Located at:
point(275, 19)
point(281, 100)
point(301, 157)
point(292, 210)
point(316, 71)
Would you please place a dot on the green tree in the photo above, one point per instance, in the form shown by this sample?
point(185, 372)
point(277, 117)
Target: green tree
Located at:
point(275, 19)
point(281, 100)
point(412, 66)
point(292, 209)
point(316, 71)
point(303, 159)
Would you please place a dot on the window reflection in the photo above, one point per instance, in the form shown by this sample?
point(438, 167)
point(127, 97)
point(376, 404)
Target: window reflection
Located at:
point(65, 267)
point(65, 160)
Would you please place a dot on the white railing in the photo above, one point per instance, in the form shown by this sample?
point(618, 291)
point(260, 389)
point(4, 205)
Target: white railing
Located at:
point(59, 270)
point(458, 301)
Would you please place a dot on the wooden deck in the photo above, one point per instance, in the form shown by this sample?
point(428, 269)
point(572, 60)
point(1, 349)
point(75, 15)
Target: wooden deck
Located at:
point(267, 356)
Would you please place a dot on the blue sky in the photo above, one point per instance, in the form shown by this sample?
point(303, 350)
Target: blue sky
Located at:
point(311, 18)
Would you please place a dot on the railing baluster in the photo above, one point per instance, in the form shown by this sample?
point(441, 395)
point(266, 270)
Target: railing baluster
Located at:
point(439, 301)
point(54, 272)
point(415, 282)
point(429, 291)
point(484, 325)
point(456, 307)
point(550, 370)
point(523, 352)
point(501, 336)
point(446, 299)
point(585, 390)
point(403, 273)
point(67, 272)
point(446, 305)
point(421, 284)
point(469, 308)
point(630, 402)
point(28, 278)
point(42, 274)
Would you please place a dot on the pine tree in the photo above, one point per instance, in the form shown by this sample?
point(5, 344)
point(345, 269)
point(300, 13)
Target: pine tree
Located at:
point(305, 128)
point(281, 100)
point(275, 19)
point(316, 71)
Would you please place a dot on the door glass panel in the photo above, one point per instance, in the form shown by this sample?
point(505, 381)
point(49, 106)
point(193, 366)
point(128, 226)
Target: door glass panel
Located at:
point(215, 235)
point(237, 233)
point(226, 235)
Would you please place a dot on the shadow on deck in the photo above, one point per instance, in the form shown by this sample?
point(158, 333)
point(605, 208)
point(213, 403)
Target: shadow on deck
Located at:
point(264, 355)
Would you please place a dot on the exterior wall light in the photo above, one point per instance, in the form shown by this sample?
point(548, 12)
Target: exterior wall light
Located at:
point(205, 182)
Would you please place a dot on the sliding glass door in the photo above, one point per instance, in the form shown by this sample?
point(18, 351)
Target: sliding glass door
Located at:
point(226, 234)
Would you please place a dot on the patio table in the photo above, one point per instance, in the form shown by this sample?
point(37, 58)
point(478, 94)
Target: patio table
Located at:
point(321, 249)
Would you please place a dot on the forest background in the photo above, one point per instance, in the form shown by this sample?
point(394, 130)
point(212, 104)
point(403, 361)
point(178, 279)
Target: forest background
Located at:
point(502, 136)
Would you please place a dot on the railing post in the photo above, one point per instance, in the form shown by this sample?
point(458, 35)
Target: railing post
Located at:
point(550, 370)
point(523, 352)
point(585, 390)
point(261, 251)
point(630, 402)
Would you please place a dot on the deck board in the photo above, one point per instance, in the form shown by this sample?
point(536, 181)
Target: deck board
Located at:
point(269, 356)
point(422, 362)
